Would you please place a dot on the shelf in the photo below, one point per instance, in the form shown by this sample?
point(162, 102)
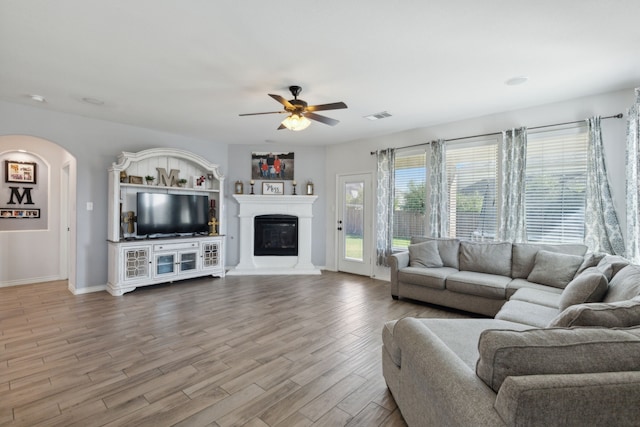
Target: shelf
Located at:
point(167, 188)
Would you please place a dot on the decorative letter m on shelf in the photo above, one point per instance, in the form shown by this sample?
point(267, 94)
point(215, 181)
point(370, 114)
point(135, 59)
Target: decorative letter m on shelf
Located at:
point(168, 180)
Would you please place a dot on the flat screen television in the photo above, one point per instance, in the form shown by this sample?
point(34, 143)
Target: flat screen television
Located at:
point(162, 214)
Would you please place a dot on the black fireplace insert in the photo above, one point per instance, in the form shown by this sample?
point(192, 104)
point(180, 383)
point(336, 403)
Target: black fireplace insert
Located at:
point(275, 235)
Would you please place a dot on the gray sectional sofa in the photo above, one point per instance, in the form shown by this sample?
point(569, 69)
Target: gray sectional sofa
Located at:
point(559, 353)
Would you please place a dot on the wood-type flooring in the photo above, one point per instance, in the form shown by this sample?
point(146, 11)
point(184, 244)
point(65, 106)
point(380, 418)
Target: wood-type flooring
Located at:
point(250, 351)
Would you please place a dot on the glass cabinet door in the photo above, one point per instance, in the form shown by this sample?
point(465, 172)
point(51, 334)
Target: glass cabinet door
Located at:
point(165, 264)
point(188, 261)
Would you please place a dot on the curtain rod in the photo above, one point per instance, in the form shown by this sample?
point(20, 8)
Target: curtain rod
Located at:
point(615, 116)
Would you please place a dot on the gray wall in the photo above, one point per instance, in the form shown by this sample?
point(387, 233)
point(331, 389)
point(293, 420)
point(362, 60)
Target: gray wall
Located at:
point(95, 145)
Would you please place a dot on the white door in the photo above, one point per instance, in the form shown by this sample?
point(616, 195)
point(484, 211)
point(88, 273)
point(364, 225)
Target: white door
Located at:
point(354, 224)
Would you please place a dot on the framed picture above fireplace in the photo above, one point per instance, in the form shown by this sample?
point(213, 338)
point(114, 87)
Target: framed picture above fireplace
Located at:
point(273, 188)
point(269, 165)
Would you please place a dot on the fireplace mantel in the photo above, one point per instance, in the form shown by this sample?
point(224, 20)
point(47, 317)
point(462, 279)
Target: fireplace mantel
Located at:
point(252, 205)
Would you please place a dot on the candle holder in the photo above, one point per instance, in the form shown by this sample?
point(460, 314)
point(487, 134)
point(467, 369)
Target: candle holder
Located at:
point(309, 188)
point(294, 188)
point(251, 183)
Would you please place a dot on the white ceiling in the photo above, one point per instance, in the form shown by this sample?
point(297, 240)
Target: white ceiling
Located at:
point(190, 67)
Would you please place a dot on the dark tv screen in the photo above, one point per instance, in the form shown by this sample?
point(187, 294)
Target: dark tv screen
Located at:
point(171, 213)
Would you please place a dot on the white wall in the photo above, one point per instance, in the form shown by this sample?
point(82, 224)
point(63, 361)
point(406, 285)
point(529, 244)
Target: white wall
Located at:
point(309, 165)
point(95, 144)
point(355, 156)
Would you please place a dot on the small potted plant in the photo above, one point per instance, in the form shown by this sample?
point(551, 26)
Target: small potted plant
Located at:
point(149, 179)
point(182, 182)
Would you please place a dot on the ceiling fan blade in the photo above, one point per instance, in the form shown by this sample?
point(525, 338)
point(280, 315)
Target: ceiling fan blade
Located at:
point(332, 106)
point(257, 114)
point(281, 127)
point(321, 119)
point(282, 101)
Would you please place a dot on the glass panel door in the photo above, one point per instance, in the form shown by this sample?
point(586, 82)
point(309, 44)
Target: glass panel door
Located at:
point(354, 224)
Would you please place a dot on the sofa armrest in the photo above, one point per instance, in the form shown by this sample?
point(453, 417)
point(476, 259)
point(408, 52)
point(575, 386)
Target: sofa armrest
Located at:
point(604, 398)
point(396, 262)
point(455, 395)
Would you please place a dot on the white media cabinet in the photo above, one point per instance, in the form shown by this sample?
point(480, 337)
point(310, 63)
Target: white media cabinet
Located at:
point(136, 261)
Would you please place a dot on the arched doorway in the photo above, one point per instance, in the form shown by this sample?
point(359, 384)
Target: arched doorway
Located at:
point(37, 211)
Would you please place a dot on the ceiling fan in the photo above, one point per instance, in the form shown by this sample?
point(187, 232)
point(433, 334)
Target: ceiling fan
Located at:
point(300, 112)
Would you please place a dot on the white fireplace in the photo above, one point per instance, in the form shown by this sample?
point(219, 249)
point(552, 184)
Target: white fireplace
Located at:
point(255, 205)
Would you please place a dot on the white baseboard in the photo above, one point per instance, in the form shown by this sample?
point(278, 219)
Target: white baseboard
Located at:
point(29, 281)
point(88, 290)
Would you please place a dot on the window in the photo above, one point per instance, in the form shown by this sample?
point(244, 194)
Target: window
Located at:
point(555, 185)
point(409, 205)
point(471, 176)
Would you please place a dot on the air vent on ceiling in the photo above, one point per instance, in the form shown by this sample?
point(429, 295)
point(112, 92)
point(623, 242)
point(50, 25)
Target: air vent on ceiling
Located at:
point(378, 116)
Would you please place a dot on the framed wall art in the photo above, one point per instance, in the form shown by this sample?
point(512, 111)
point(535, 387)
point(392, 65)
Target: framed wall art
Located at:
point(272, 166)
point(19, 213)
point(273, 188)
point(20, 172)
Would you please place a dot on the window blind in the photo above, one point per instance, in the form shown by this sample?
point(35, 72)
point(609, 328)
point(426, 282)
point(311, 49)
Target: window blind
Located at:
point(555, 185)
point(409, 207)
point(471, 176)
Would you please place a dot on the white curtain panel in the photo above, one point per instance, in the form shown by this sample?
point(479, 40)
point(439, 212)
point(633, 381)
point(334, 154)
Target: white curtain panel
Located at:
point(438, 193)
point(513, 155)
point(602, 230)
point(384, 204)
point(633, 184)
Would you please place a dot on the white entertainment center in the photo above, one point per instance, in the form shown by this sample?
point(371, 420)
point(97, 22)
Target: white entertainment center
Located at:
point(136, 261)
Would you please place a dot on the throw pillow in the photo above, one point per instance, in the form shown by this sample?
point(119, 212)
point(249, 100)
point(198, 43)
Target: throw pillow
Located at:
point(490, 258)
point(588, 286)
point(505, 353)
point(424, 254)
point(620, 314)
point(590, 260)
point(624, 285)
point(616, 262)
point(447, 248)
point(554, 269)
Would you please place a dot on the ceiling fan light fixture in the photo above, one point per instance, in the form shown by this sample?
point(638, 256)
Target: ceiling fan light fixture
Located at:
point(296, 122)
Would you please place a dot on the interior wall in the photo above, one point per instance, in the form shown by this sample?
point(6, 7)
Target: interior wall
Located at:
point(23, 240)
point(95, 144)
point(355, 156)
point(309, 166)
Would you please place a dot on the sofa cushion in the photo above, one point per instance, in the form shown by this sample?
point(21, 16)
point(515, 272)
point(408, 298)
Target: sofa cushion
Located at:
point(490, 258)
point(517, 284)
point(479, 284)
point(524, 255)
point(527, 313)
point(619, 314)
point(504, 353)
point(554, 269)
point(424, 254)
point(624, 285)
point(447, 248)
point(537, 296)
point(429, 277)
point(588, 286)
